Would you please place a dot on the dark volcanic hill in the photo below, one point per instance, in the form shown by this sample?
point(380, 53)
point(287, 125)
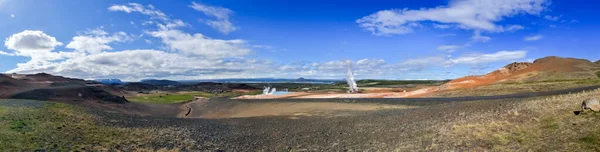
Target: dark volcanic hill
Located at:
point(44, 86)
point(136, 86)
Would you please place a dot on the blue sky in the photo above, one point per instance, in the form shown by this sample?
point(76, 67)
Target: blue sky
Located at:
point(434, 39)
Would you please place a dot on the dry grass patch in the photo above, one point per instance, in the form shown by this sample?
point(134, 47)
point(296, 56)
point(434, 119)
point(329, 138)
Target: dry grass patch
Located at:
point(548, 125)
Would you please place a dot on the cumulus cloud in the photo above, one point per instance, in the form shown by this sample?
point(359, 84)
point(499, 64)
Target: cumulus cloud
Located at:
point(449, 48)
point(96, 41)
point(136, 64)
point(34, 44)
point(188, 56)
point(221, 15)
point(31, 40)
point(198, 44)
point(191, 44)
point(533, 37)
point(467, 14)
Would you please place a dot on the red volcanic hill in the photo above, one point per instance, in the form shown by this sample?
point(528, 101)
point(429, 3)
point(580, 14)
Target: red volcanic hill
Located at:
point(544, 69)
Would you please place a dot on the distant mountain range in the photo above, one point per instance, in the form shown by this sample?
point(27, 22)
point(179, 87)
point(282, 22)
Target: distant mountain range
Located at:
point(251, 80)
point(160, 82)
point(110, 81)
point(266, 80)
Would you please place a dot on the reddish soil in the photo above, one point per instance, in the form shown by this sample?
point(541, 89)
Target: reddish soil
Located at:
point(540, 69)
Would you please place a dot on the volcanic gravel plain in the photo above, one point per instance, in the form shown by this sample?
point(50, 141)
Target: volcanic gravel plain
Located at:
point(406, 125)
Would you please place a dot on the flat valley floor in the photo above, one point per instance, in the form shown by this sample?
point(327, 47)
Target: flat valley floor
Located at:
point(537, 123)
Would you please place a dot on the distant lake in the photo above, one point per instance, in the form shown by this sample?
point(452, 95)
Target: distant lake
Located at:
point(281, 92)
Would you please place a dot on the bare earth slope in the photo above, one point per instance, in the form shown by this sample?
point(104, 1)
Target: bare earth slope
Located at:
point(544, 69)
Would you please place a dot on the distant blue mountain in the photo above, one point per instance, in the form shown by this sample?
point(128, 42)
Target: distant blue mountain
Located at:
point(110, 81)
point(265, 80)
point(160, 82)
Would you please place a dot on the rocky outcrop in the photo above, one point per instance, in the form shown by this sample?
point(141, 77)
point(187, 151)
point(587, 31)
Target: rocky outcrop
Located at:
point(511, 68)
point(517, 66)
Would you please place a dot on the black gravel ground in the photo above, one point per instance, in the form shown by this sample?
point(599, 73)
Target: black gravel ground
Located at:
point(383, 130)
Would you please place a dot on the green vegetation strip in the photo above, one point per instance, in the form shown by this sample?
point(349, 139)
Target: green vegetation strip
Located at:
point(165, 98)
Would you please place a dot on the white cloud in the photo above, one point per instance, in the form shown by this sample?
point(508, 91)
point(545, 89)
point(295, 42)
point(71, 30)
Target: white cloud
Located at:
point(12, 15)
point(96, 41)
point(195, 44)
point(185, 55)
point(513, 28)
point(552, 18)
point(441, 26)
point(488, 58)
point(137, 64)
point(35, 44)
point(222, 23)
point(135, 7)
point(6, 53)
point(533, 37)
point(477, 37)
point(31, 40)
point(370, 63)
point(200, 45)
point(147, 23)
point(468, 14)
point(449, 48)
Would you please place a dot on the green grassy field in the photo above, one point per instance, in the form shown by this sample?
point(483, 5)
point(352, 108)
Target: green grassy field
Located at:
point(60, 127)
point(177, 97)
